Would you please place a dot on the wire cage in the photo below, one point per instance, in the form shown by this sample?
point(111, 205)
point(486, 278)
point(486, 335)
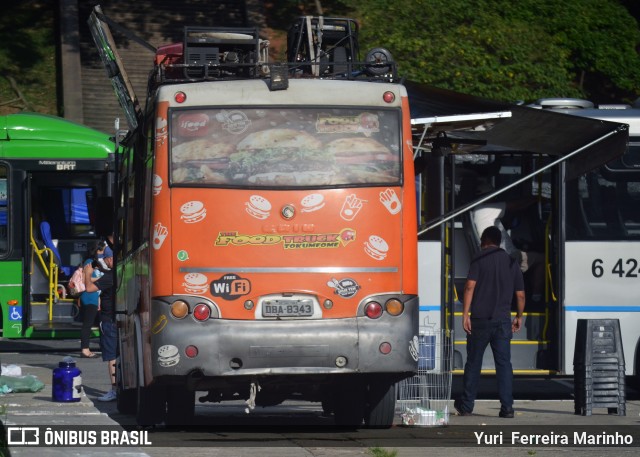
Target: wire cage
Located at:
point(423, 399)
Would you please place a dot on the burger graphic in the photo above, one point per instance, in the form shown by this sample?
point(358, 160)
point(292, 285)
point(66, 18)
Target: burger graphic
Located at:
point(258, 207)
point(364, 160)
point(201, 159)
point(376, 247)
point(312, 202)
point(168, 355)
point(192, 212)
point(281, 157)
point(196, 283)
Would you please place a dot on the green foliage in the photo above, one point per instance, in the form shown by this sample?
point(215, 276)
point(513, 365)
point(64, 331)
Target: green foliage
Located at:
point(509, 50)
point(28, 54)
point(380, 452)
point(498, 49)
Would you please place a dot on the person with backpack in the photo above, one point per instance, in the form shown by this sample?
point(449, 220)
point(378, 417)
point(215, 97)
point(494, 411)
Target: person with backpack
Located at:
point(90, 300)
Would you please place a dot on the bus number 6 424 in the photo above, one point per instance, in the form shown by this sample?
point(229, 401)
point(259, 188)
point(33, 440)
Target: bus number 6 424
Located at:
point(623, 268)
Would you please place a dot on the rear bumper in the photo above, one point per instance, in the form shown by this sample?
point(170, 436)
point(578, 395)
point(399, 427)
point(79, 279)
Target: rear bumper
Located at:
point(263, 348)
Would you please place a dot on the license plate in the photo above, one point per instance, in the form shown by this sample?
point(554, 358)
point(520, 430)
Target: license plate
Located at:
point(287, 308)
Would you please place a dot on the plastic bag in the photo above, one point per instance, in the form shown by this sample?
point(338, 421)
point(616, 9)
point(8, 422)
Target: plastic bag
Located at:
point(11, 370)
point(27, 383)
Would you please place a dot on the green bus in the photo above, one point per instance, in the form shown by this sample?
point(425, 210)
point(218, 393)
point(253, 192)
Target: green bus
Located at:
point(56, 185)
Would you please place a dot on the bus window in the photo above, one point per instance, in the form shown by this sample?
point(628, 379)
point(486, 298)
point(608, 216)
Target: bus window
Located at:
point(292, 147)
point(629, 201)
point(4, 234)
point(69, 210)
point(601, 209)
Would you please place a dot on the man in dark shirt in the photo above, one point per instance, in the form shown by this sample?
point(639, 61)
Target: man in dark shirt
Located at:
point(493, 280)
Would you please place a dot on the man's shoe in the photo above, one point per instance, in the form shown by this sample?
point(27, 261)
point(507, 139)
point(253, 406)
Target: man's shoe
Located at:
point(507, 414)
point(109, 396)
point(458, 407)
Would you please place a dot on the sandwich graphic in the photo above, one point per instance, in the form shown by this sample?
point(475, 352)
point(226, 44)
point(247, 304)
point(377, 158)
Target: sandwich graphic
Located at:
point(376, 247)
point(258, 207)
point(201, 159)
point(196, 283)
point(312, 202)
point(364, 160)
point(159, 324)
point(281, 157)
point(192, 212)
point(168, 355)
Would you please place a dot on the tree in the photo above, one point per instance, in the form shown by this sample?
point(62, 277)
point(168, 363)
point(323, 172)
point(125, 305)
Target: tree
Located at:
point(509, 50)
point(28, 57)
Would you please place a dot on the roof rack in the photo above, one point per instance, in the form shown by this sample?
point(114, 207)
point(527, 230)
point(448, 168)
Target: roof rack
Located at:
point(317, 47)
point(213, 53)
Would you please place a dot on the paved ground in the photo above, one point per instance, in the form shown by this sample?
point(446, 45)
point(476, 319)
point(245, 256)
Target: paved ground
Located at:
point(484, 433)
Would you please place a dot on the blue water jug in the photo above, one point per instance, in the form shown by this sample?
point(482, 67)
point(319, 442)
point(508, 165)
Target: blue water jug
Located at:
point(67, 382)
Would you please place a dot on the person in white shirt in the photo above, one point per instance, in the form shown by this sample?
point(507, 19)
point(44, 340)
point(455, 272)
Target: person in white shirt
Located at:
point(491, 213)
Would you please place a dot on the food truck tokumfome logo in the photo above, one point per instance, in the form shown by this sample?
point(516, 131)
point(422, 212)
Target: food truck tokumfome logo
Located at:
point(305, 241)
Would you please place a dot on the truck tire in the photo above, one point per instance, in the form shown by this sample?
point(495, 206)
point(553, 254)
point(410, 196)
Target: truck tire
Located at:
point(181, 405)
point(349, 406)
point(126, 400)
point(151, 401)
point(381, 405)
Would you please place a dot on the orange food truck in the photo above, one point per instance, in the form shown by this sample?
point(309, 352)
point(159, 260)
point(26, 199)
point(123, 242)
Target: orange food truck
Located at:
point(267, 245)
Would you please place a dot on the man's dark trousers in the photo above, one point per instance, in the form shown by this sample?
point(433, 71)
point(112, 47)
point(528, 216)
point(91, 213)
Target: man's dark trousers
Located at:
point(498, 334)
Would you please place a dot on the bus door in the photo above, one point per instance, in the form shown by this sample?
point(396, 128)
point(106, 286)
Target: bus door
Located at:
point(66, 215)
point(48, 222)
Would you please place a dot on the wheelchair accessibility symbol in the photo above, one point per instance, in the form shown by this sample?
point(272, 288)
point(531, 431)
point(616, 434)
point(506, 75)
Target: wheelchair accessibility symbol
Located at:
point(15, 313)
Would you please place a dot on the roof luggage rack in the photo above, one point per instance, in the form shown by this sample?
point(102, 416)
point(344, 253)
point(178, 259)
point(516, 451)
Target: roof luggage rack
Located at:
point(221, 51)
point(210, 53)
point(328, 47)
point(317, 47)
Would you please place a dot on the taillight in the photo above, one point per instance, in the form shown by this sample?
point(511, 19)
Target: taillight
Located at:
point(373, 310)
point(180, 97)
point(201, 312)
point(191, 351)
point(389, 97)
point(179, 309)
point(394, 307)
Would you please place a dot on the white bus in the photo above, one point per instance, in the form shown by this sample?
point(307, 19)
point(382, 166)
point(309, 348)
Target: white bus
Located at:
point(585, 221)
